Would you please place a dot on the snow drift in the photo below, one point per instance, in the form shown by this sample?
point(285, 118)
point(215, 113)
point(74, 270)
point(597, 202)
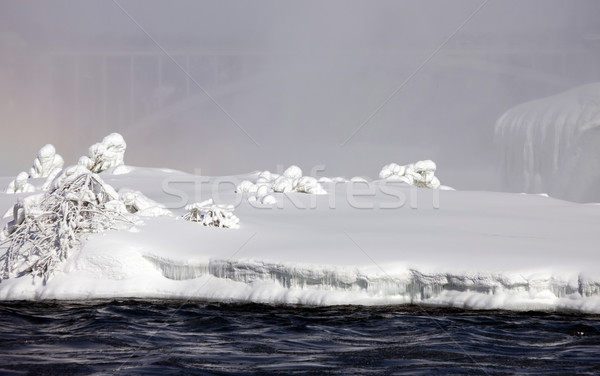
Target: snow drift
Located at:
point(552, 145)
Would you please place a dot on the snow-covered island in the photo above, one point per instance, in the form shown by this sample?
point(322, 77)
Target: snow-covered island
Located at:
point(102, 229)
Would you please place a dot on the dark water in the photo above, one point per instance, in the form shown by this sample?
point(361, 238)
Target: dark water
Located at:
point(199, 338)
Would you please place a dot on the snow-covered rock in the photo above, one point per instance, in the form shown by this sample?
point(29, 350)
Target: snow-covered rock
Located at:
point(553, 145)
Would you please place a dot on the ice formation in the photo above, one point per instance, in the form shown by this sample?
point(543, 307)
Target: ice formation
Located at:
point(20, 184)
point(290, 181)
point(46, 228)
point(209, 214)
point(106, 154)
point(46, 163)
point(420, 174)
point(552, 145)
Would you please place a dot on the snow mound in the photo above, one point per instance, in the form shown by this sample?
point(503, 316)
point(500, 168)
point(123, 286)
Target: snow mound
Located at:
point(46, 163)
point(47, 227)
point(420, 174)
point(553, 145)
point(209, 214)
point(106, 154)
point(20, 184)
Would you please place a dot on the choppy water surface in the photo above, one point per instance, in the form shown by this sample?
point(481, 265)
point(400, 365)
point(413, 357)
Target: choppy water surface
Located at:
point(175, 338)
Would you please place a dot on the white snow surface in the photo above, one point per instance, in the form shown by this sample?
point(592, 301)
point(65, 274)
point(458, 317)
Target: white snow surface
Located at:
point(368, 243)
point(552, 145)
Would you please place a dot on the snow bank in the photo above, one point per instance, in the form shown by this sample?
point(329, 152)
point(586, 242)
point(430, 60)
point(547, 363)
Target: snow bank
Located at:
point(106, 154)
point(552, 145)
point(420, 174)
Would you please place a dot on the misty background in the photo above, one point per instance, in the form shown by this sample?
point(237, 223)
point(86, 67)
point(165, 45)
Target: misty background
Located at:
point(293, 81)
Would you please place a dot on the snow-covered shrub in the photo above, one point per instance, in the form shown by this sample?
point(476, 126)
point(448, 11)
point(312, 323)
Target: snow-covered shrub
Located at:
point(46, 163)
point(420, 174)
point(293, 172)
point(290, 181)
point(106, 154)
point(209, 214)
point(308, 184)
point(20, 184)
point(47, 227)
point(247, 186)
point(136, 203)
point(282, 184)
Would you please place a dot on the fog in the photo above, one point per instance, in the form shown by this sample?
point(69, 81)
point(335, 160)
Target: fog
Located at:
point(225, 87)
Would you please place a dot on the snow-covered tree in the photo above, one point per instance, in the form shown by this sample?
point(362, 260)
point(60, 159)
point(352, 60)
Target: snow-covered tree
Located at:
point(106, 154)
point(20, 184)
point(47, 227)
point(46, 163)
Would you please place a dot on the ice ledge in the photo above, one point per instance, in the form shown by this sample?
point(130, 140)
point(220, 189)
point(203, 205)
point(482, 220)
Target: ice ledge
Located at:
point(411, 284)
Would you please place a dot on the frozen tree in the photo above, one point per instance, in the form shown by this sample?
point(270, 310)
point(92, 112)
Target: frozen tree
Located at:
point(20, 184)
point(46, 163)
point(106, 154)
point(46, 228)
point(209, 214)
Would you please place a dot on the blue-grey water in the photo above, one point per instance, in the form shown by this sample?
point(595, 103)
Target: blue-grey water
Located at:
point(137, 337)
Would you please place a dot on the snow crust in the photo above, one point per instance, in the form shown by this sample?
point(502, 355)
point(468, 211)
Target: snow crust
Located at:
point(552, 145)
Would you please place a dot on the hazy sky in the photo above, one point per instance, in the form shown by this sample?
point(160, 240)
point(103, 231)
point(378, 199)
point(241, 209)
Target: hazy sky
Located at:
point(290, 82)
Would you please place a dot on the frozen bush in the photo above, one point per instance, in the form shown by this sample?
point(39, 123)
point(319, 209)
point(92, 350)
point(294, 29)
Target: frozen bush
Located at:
point(20, 184)
point(137, 203)
point(246, 186)
point(292, 172)
point(420, 174)
point(209, 214)
point(46, 228)
point(308, 184)
point(46, 162)
point(282, 184)
point(106, 154)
